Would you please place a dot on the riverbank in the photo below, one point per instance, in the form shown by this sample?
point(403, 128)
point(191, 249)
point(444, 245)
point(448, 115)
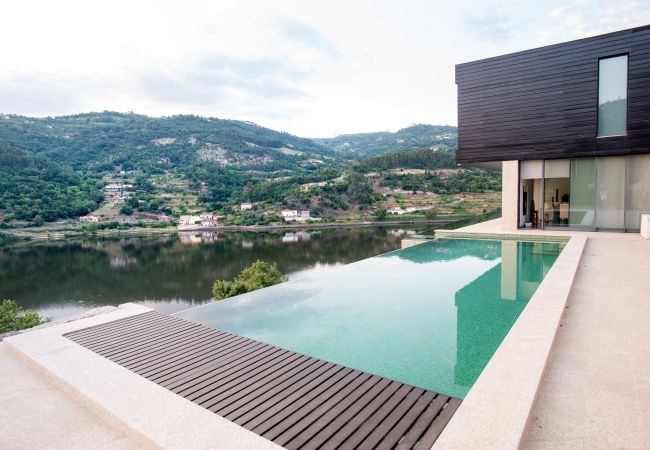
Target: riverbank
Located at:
point(62, 233)
point(15, 235)
point(303, 226)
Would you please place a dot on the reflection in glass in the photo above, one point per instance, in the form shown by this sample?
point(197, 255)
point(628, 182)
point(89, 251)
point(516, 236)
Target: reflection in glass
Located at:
point(638, 190)
point(582, 212)
point(610, 201)
point(557, 189)
point(612, 96)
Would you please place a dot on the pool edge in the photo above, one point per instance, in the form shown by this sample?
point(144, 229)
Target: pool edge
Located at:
point(495, 413)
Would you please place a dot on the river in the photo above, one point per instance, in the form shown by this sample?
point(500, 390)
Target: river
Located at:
point(172, 273)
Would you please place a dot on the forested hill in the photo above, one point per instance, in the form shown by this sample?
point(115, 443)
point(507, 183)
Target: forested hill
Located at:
point(362, 145)
point(32, 187)
point(424, 158)
point(101, 141)
point(58, 167)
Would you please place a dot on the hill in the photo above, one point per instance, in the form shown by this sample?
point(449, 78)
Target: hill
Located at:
point(363, 145)
point(132, 168)
point(102, 141)
point(33, 187)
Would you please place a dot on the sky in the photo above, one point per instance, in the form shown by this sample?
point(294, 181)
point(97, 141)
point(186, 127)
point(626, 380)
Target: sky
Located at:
point(312, 68)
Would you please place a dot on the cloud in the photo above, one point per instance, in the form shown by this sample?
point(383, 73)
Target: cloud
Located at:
point(306, 36)
point(492, 26)
point(584, 18)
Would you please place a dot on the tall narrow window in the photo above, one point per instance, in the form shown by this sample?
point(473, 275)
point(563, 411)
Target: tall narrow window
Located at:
point(612, 96)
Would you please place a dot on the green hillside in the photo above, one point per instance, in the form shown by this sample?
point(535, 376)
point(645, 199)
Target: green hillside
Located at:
point(363, 145)
point(59, 167)
point(102, 141)
point(32, 187)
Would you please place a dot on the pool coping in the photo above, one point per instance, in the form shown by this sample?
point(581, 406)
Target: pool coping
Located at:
point(150, 414)
point(496, 411)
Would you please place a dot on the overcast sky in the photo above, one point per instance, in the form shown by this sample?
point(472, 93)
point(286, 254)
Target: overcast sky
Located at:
point(312, 68)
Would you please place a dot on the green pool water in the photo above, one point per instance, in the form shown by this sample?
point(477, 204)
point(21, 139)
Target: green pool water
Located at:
point(431, 315)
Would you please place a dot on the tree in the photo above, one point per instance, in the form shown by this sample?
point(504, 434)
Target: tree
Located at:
point(258, 275)
point(380, 213)
point(11, 318)
point(38, 220)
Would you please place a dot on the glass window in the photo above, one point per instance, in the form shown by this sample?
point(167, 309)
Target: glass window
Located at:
point(582, 212)
point(612, 96)
point(610, 192)
point(638, 190)
point(557, 189)
point(530, 193)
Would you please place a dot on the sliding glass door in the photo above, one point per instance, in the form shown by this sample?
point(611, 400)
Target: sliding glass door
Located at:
point(610, 193)
point(638, 190)
point(601, 193)
point(582, 212)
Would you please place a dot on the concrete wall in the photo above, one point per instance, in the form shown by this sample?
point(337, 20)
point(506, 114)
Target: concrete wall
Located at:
point(510, 191)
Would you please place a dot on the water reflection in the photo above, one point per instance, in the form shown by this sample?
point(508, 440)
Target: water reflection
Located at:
point(430, 315)
point(169, 273)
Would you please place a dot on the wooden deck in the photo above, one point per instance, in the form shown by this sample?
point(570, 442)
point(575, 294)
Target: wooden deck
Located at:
point(296, 401)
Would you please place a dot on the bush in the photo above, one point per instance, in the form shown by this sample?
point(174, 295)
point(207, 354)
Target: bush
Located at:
point(380, 213)
point(256, 276)
point(12, 320)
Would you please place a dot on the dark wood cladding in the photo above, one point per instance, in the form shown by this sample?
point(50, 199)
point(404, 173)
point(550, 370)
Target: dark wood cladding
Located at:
point(543, 103)
point(294, 400)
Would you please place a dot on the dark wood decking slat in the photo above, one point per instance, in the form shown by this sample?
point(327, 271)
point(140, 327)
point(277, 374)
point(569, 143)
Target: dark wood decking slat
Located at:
point(188, 364)
point(97, 335)
point(318, 438)
point(277, 412)
point(142, 340)
point(377, 417)
point(266, 388)
point(432, 433)
point(242, 375)
point(392, 421)
point(316, 415)
point(139, 348)
point(190, 389)
point(335, 411)
point(164, 353)
point(131, 338)
point(103, 328)
point(336, 440)
point(114, 330)
point(423, 422)
point(305, 405)
point(235, 389)
point(241, 349)
point(251, 410)
point(295, 400)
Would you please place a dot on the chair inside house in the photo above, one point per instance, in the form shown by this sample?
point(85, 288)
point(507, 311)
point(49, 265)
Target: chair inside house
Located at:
point(564, 213)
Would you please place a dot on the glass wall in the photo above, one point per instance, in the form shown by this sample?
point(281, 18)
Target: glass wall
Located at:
point(638, 190)
point(610, 193)
point(605, 193)
point(557, 192)
point(612, 96)
point(582, 213)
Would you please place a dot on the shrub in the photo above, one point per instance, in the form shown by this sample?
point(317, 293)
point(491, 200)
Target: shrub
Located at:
point(256, 276)
point(11, 318)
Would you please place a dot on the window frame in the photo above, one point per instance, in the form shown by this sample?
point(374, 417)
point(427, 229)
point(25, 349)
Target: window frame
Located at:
point(627, 94)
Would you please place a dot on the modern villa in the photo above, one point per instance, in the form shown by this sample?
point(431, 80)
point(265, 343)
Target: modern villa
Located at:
point(570, 125)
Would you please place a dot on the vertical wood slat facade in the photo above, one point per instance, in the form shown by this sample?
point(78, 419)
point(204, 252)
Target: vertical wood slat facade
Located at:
point(543, 103)
point(295, 400)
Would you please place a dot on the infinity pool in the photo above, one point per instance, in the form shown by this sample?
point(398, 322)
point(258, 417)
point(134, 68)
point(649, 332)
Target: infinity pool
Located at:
point(431, 315)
